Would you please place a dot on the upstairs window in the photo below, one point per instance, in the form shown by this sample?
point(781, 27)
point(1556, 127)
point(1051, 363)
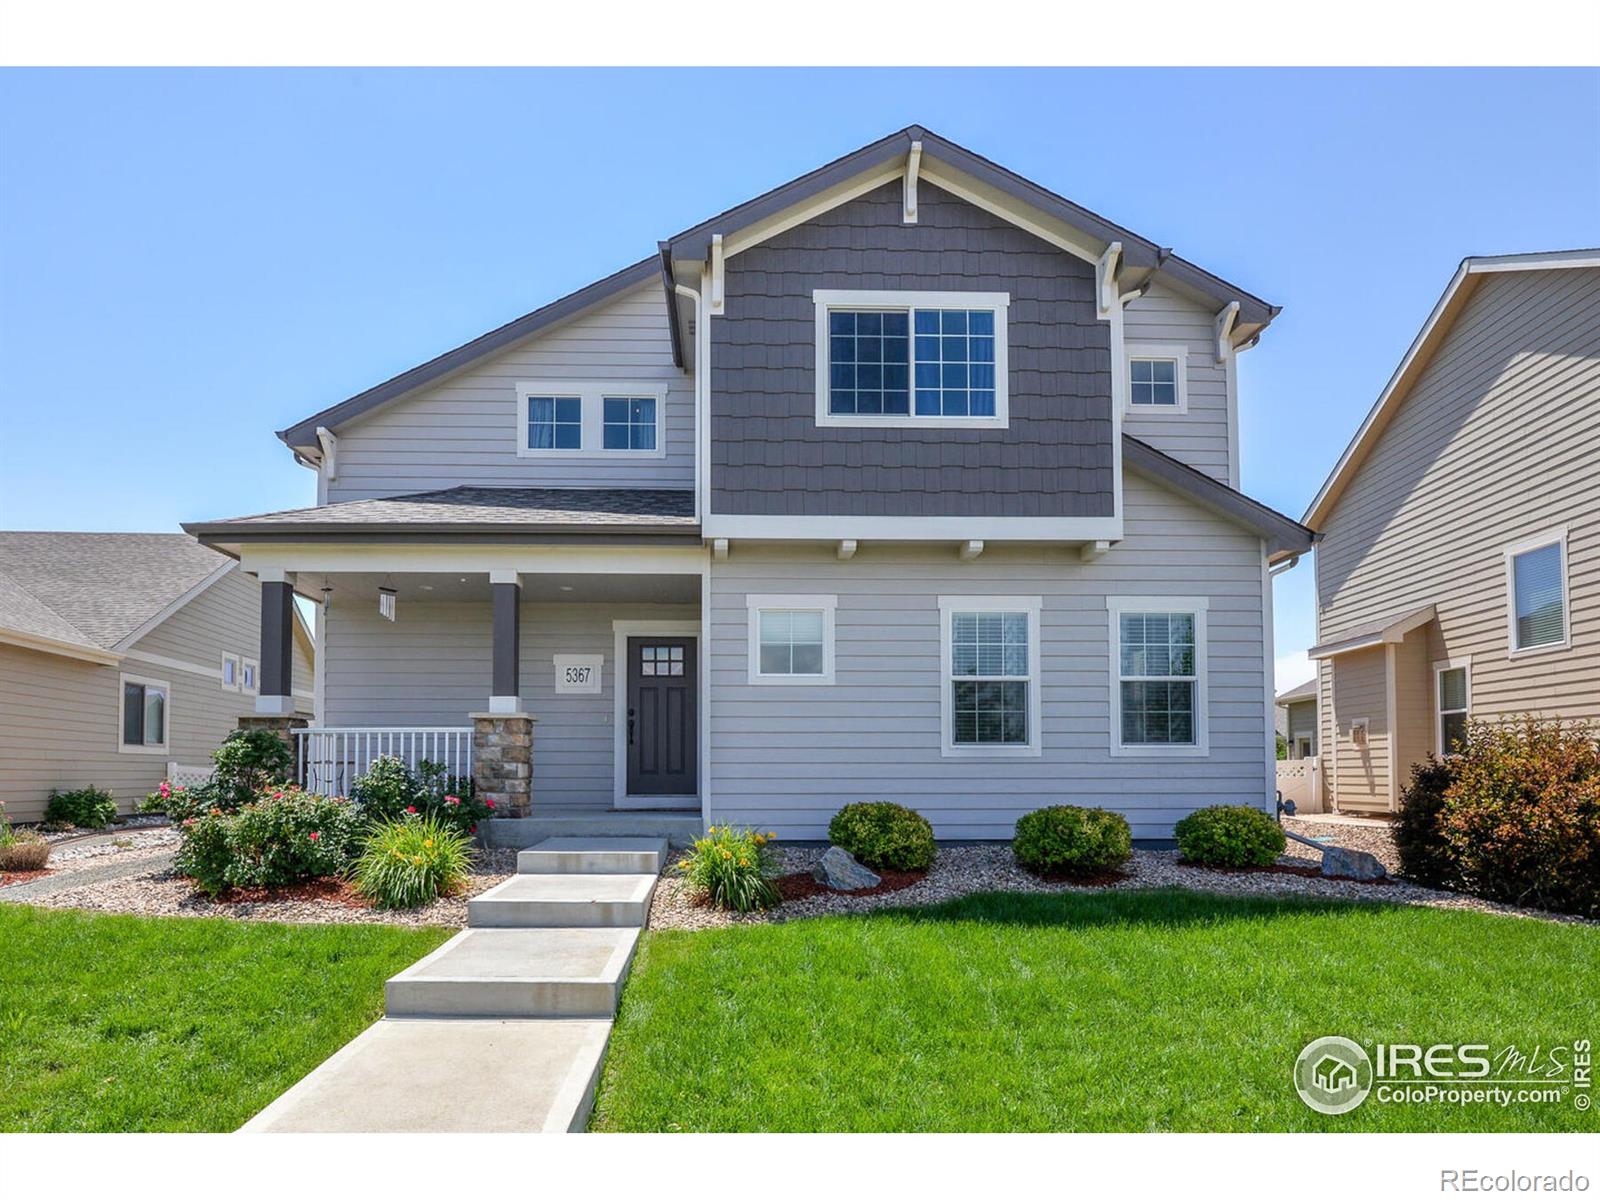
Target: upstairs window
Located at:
point(555, 423)
point(630, 423)
point(1536, 584)
point(1157, 378)
point(911, 358)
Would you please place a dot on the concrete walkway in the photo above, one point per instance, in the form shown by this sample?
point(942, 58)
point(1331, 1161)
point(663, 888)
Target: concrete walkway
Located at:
point(504, 1027)
point(64, 880)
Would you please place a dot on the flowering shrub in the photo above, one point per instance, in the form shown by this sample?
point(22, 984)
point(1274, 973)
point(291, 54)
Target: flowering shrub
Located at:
point(1229, 835)
point(249, 762)
point(883, 834)
point(1071, 840)
point(409, 862)
point(390, 791)
point(733, 868)
point(87, 808)
point(1521, 818)
point(283, 837)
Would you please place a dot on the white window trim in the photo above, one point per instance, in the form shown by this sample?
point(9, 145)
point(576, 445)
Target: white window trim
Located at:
point(1197, 607)
point(238, 673)
point(122, 700)
point(252, 668)
point(999, 302)
point(948, 607)
point(591, 394)
point(1537, 542)
point(1439, 668)
point(1160, 350)
point(756, 603)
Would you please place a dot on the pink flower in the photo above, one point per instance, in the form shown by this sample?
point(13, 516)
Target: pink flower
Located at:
point(165, 789)
point(411, 808)
point(314, 835)
point(490, 803)
point(452, 800)
point(474, 829)
point(277, 795)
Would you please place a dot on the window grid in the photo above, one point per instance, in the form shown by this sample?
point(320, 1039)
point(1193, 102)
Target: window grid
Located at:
point(555, 423)
point(1155, 382)
point(661, 660)
point(629, 423)
point(791, 641)
point(868, 362)
point(872, 362)
point(1158, 680)
point(990, 669)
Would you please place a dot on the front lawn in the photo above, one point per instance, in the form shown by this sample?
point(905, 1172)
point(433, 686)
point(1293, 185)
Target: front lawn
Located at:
point(1155, 1010)
point(172, 1023)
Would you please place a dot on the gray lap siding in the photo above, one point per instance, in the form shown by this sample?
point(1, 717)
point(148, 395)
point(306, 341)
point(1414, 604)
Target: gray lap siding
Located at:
point(786, 758)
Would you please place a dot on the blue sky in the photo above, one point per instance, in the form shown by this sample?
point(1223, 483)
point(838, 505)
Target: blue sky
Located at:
point(190, 259)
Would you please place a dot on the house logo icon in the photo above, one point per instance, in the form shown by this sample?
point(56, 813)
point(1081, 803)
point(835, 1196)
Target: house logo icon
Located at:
point(1333, 1075)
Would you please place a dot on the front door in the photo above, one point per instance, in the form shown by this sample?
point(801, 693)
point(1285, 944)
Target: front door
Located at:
point(662, 677)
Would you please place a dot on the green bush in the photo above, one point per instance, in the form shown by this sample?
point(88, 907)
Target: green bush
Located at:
point(883, 834)
point(284, 837)
point(87, 808)
point(391, 791)
point(1229, 835)
point(1521, 819)
point(24, 851)
point(410, 862)
point(1425, 856)
point(733, 868)
point(1068, 840)
point(249, 762)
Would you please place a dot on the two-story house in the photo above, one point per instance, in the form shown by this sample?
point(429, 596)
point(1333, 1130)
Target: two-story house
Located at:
point(1458, 554)
point(906, 480)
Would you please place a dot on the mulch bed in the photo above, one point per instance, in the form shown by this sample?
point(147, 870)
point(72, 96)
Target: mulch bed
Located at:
point(1105, 878)
point(329, 890)
point(802, 885)
point(1284, 869)
point(10, 877)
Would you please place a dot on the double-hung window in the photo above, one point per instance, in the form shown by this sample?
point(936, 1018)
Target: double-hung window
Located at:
point(1157, 378)
point(1536, 592)
point(144, 714)
point(791, 638)
point(1452, 686)
point(590, 419)
point(911, 358)
point(1158, 676)
point(990, 658)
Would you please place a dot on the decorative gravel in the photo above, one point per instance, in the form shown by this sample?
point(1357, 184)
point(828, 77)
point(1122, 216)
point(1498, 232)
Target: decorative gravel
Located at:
point(963, 870)
point(160, 893)
point(124, 826)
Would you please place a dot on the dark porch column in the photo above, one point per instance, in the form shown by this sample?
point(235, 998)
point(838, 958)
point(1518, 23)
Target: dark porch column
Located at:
point(277, 645)
point(504, 696)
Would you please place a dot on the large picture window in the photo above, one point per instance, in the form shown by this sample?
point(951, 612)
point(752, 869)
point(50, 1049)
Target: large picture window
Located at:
point(1158, 676)
point(144, 714)
point(1536, 585)
point(911, 358)
point(990, 655)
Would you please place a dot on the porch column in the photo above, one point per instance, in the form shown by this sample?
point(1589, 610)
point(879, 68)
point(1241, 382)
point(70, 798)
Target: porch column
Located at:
point(505, 696)
point(276, 694)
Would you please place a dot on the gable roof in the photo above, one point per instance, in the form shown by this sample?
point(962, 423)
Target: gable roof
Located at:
point(1457, 292)
point(100, 591)
point(1305, 691)
point(694, 243)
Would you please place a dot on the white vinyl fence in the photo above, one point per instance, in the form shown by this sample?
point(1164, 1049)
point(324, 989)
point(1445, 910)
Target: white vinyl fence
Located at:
point(328, 760)
point(1300, 780)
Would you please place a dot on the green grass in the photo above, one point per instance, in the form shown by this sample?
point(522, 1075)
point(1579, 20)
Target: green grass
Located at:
point(1158, 1010)
point(176, 1023)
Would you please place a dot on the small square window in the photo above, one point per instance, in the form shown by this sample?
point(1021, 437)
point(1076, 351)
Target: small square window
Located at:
point(629, 423)
point(1155, 382)
point(791, 639)
point(555, 423)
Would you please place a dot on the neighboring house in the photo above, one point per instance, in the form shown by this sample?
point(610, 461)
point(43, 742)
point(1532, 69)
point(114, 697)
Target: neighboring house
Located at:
point(1458, 561)
point(1299, 707)
point(119, 654)
point(906, 480)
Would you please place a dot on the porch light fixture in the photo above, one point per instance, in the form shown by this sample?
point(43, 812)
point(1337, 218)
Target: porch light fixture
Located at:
point(387, 598)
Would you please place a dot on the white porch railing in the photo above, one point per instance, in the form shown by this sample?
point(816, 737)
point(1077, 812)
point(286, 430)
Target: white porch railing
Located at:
point(329, 759)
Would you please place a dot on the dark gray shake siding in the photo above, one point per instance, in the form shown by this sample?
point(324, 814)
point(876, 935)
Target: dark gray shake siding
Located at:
point(769, 458)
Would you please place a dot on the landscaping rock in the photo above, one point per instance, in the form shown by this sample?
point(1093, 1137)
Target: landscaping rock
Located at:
point(1351, 864)
point(840, 871)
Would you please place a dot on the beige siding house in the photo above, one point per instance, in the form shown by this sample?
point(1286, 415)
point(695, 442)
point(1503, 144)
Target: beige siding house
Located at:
point(1458, 566)
point(122, 656)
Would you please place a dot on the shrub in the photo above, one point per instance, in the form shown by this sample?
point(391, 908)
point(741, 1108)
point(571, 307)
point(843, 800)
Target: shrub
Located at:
point(408, 863)
point(883, 834)
point(1425, 856)
point(24, 851)
point(1229, 835)
point(733, 868)
point(390, 791)
point(283, 837)
point(249, 762)
point(1522, 816)
point(87, 808)
point(1069, 840)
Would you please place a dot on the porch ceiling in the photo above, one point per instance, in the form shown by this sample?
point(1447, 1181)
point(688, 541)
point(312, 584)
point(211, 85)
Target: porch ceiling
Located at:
point(441, 587)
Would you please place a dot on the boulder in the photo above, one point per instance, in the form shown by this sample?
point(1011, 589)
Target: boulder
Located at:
point(1351, 864)
point(838, 870)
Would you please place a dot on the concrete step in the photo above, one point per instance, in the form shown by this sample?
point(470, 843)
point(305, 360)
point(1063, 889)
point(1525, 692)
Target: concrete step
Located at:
point(517, 973)
point(680, 827)
point(594, 856)
point(563, 901)
point(421, 1076)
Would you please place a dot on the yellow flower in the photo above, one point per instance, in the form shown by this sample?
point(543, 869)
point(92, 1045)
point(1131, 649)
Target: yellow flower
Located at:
point(726, 853)
point(417, 860)
point(428, 843)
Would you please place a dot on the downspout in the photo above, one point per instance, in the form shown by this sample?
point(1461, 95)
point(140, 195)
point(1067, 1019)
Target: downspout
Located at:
point(701, 397)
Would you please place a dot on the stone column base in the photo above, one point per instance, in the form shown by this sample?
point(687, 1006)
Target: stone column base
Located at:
point(502, 761)
point(280, 725)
